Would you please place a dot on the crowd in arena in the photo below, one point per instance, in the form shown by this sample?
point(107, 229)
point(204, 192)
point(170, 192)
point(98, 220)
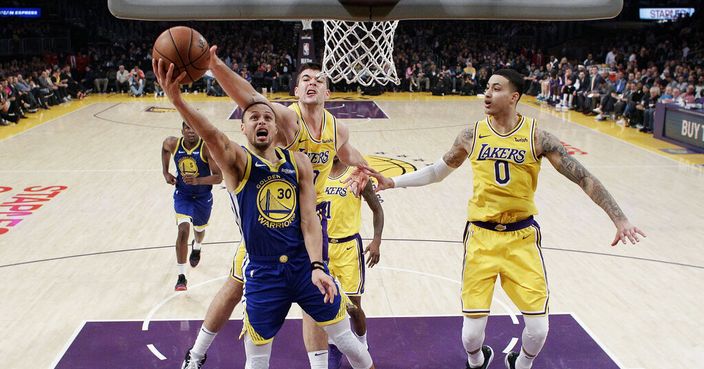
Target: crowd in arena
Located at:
point(621, 78)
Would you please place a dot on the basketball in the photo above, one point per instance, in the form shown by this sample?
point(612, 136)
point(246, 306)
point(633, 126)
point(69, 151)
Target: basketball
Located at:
point(186, 49)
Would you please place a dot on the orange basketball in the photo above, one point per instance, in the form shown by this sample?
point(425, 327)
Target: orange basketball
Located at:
point(186, 49)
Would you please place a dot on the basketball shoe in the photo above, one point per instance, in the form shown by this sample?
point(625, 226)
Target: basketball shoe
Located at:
point(488, 356)
point(194, 259)
point(189, 363)
point(181, 283)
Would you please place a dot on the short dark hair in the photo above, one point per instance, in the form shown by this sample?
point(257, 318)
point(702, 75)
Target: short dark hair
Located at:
point(313, 66)
point(515, 79)
point(244, 111)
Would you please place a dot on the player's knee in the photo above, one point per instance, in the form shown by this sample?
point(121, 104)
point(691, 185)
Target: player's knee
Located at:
point(183, 229)
point(536, 330)
point(355, 312)
point(257, 355)
point(341, 335)
point(473, 333)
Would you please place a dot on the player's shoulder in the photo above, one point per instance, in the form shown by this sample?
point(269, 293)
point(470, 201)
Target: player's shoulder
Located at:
point(171, 142)
point(300, 158)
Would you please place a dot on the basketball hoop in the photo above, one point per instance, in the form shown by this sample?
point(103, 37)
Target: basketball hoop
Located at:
point(360, 52)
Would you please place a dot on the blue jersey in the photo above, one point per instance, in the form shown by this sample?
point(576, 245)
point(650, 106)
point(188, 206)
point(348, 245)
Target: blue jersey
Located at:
point(267, 206)
point(191, 162)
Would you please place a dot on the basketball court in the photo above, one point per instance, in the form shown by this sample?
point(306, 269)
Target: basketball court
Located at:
point(87, 232)
point(88, 270)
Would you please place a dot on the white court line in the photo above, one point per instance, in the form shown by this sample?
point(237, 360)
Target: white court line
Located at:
point(388, 117)
point(61, 353)
point(510, 345)
point(156, 352)
point(589, 332)
point(145, 325)
point(48, 121)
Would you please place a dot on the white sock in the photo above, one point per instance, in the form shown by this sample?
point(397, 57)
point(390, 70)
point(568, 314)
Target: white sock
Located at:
point(532, 340)
point(318, 359)
point(476, 359)
point(523, 361)
point(362, 339)
point(181, 268)
point(196, 245)
point(203, 341)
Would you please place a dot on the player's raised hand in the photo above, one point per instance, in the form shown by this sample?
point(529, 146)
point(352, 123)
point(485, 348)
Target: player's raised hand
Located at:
point(325, 284)
point(626, 230)
point(357, 180)
point(170, 179)
point(374, 253)
point(383, 183)
point(165, 76)
point(214, 59)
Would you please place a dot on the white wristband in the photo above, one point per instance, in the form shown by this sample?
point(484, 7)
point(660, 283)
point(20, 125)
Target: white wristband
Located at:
point(430, 174)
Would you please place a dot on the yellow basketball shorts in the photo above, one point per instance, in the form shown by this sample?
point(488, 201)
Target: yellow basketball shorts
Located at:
point(347, 263)
point(237, 269)
point(516, 257)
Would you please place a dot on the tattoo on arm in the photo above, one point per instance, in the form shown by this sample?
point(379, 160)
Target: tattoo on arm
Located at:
point(378, 212)
point(569, 167)
point(460, 148)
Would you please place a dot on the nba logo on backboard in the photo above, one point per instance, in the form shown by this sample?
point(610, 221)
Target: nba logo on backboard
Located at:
point(306, 49)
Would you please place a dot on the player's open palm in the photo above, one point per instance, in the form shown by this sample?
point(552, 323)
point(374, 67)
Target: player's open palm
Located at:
point(382, 182)
point(325, 284)
point(357, 180)
point(165, 76)
point(627, 231)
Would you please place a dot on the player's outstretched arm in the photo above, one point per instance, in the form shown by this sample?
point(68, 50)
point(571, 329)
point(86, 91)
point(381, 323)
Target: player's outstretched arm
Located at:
point(310, 226)
point(224, 151)
point(244, 95)
point(374, 254)
point(434, 173)
point(349, 155)
point(549, 146)
point(167, 148)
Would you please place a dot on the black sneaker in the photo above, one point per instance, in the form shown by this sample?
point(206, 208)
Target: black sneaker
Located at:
point(194, 259)
point(181, 283)
point(189, 363)
point(510, 360)
point(488, 357)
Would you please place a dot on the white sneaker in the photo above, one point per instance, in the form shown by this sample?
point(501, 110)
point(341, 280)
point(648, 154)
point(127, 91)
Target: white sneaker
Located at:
point(597, 110)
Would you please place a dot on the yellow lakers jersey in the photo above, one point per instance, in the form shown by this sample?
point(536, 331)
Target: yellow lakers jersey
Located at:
point(342, 208)
point(320, 150)
point(505, 170)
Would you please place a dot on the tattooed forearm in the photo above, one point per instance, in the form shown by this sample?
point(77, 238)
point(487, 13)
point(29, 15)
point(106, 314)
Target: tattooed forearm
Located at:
point(460, 148)
point(569, 167)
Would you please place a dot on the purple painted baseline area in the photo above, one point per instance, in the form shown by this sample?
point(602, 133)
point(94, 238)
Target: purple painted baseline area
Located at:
point(395, 343)
point(340, 109)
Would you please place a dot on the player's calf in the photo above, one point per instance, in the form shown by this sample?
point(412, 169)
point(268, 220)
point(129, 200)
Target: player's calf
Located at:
point(341, 335)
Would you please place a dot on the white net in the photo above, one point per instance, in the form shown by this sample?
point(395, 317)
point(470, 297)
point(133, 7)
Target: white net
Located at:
point(360, 52)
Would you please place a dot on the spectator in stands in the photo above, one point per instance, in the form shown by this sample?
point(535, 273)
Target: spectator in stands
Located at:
point(122, 80)
point(647, 106)
point(137, 82)
point(101, 81)
point(689, 97)
point(622, 103)
point(73, 88)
